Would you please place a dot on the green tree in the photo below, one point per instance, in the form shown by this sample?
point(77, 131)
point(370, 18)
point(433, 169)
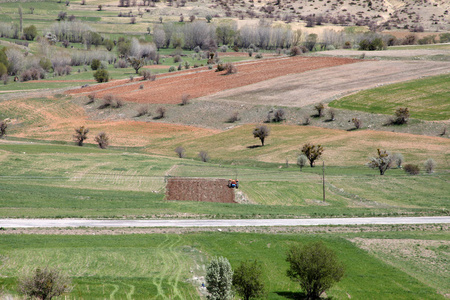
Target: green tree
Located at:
point(109, 45)
point(312, 152)
point(44, 284)
point(101, 75)
point(219, 279)
point(30, 32)
point(315, 267)
point(247, 280)
point(301, 161)
point(136, 63)
point(95, 64)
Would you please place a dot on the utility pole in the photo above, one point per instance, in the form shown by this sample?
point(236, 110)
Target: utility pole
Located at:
point(323, 179)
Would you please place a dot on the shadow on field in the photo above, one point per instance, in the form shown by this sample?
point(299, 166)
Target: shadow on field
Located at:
point(253, 146)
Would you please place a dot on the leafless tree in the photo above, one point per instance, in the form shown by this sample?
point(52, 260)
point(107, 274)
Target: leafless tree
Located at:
point(382, 162)
point(80, 135)
point(301, 161)
point(180, 151)
point(44, 284)
point(204, 156)
point(102, 140)
point(312, 152)
point(430, 165)
point(185, 99)
point(161, 113)
point(159, 37)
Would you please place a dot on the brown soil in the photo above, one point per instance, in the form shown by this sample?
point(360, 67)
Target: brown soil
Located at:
point(75, 80)
point(205, 82)
point(199, 189)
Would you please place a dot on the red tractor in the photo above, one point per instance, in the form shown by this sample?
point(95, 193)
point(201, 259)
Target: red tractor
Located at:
point(233, 183)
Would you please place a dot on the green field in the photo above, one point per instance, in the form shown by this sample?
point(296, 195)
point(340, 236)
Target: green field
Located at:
point(427, 99)
point(159, 266)
point(45, 180)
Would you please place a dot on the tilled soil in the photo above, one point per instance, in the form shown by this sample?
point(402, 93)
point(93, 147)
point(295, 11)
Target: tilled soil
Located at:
point(201, 82)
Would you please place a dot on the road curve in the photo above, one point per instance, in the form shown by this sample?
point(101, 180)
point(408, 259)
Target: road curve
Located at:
point(59, 223)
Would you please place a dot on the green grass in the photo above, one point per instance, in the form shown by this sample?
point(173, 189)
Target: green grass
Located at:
point(418, 47)
point(45, 180)
point(158, 266)
point(427, 99)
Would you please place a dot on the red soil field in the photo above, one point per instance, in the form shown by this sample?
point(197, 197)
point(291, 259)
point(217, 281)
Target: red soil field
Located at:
point(199, 189)
point(201, 82)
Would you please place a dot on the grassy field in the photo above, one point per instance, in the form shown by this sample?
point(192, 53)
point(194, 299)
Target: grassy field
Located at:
point(45, 180)
point(427, 99)
point(166, 266)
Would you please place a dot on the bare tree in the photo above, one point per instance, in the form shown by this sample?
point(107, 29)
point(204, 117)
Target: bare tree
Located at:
point(312, 152)
point(261, 132)
point(357, 122)
point(185, 99)
point(382, 162)
point(44, 284)
point(159, 37)
point(279, 115)
point(102, 140)
point(301, 161)
point(80, 135)
point(142, 111)
point(332, 114)
point(397, 159)
point(234, 117)
point(204, 156)
point(429, 165)
point(180, 151)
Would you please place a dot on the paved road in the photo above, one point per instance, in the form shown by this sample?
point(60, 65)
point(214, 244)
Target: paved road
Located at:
point(48, 223)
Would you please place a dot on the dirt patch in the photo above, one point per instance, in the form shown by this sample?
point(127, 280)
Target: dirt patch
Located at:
point(201, 82)
point(326, 84)
point(199, 189)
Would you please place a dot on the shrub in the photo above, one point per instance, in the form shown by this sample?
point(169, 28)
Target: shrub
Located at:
point(234, 117)
point(295, 51)
point(357, 122)
point(180, 151)
point(44, 284)
point(147, 75)
point(172, 69)
point(102, 140)
point(258, 56)
point(429, 165)
point(95, 64)
point(230, 69)
point(220, 67)
point(315, 267)
point(401, 116)
point(121, 63)
point(142, 111)
point(411, 169)
point(248, 281)
point(30, 32)
point(160, 113)
point(91, 98)
point(101, 75)
point(279, 115)
point(332, 114)
point(3, 127)
point(397, 159)
point(185, 99)
point(204, 156)
point(111, 101)
point(177, 59)
point(306, 120)
point(301, 161)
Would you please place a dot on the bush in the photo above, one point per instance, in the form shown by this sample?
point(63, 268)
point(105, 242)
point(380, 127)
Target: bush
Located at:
point(411, 169)
point(44, 284)
point(147, 75)
point(279, 115)
point(177, 59)
point(258, 56)
point(101, 76)
point(429, 165)
point(261, 132)
point(248, 281)
point(234, 118)
point(397, 159)
point(102, 140)
point(91, 98)
point(172, 69)
point(401, 116)
point(3, 127)
point(204, 156)
point(301, 161)
point(160, 113)
point(30, 32)
point(382, 162)
point(295, 51)
point(111, 101)
point(142, 111)
point(357, 122)
point(95, 64)
point(185, 99)
point(220, 67)
point(121, 63)
point(320, 109)
point(230, 69)
point(315, 267)
point(180, 152)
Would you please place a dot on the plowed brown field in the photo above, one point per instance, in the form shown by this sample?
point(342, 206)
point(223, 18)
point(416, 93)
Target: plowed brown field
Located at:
point(202, 82)
point(199, 189)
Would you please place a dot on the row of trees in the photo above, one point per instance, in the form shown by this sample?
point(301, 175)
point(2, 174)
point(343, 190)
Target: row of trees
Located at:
point(314, 266)
point(81, 135)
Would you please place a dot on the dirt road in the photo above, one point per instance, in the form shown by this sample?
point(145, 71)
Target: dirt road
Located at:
point(59, 223)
